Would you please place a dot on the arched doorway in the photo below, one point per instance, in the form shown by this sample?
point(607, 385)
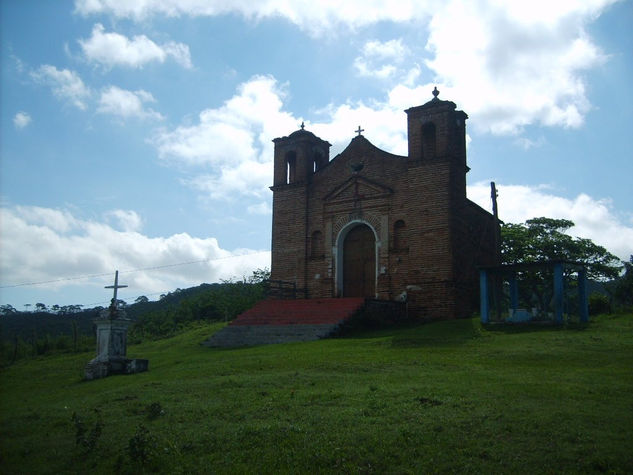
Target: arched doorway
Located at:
point(359, 262)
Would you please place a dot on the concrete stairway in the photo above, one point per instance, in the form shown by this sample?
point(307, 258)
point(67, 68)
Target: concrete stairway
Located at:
point(282, 321)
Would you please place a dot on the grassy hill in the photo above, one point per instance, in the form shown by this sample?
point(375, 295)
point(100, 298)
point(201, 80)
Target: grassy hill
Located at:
point(441, 397)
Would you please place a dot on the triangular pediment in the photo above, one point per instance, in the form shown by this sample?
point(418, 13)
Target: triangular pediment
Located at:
point(357, 188)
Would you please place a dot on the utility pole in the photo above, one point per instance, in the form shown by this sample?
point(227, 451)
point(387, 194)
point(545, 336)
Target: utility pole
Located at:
point(494, 194)
point(496, 281)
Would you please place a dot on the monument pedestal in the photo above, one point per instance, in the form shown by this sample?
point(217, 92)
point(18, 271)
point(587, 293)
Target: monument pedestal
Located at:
point(112, 326)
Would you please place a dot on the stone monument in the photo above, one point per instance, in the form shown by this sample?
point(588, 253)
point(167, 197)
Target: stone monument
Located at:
point(112, 324)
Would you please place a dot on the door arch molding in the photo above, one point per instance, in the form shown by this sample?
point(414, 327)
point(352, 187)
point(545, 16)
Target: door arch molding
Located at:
point(338, 252)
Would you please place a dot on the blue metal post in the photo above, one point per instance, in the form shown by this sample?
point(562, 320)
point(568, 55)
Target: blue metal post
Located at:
point(582, 295)
point(558, 292)
point(514, 291)
point(483, 290)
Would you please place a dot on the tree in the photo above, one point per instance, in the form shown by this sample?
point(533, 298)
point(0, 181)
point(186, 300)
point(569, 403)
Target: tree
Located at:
point(624, 285)
point(7, 309)
point(40, 307)
point(258, 276)
point(543, 239)
point(141, 299)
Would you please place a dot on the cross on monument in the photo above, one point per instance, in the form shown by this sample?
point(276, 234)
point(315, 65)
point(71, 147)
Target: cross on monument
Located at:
point(359, 130)
point(116, 287)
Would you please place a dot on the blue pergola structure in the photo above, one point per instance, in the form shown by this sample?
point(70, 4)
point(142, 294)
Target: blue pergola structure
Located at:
point(509, 272)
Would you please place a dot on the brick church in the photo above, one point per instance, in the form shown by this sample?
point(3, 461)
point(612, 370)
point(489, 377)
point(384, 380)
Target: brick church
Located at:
point(372, 224)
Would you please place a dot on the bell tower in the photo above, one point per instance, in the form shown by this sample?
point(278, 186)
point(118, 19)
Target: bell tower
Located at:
point(297, 158)
point(437, 138)
point(437, 131)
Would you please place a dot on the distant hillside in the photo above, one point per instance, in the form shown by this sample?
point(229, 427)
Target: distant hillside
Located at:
point(170, 300)
point(204, 302)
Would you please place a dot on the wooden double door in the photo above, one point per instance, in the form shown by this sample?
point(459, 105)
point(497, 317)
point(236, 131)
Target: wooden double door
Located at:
point(359, 263)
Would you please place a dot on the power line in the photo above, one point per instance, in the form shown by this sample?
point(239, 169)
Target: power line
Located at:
point(26, 284)
point(130, 271)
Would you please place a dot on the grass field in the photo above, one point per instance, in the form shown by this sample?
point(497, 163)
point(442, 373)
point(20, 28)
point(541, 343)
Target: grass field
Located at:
point(442, 397)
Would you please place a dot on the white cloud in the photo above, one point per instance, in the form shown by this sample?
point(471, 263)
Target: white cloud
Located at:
point(392, 49)
point(59, 221)
point(114, 49)
point(378, 58)
point(21, 120)
point(41, 244)
point(411, 77)
point(247, 179)
point(127, 104)
point(263, 208)
point(233, 145)
point(127, 220)
point(18, 64)
point(240, 130)
point(65, 84)
point(215, 140)
point(179, 52)
point(515, 67)
point(232, 142)
point(527, 144)
point(506, 63)
point(314, 17)
point(363, 68)
point(594, 218)
point(384, 125)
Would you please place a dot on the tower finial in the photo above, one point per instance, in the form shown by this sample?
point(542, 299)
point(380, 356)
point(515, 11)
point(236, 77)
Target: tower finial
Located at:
point(303, 126)
point(435, 94)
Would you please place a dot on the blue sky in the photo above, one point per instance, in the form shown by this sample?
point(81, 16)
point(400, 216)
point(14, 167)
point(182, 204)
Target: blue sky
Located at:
point(137, 135)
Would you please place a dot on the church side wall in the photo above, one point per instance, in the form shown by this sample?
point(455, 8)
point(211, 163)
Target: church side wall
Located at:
point(288, 238)
point(475, 247)
point(320, 281)
point(429, 281)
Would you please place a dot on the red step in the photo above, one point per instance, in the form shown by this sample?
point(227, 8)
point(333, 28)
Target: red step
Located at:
point(300, 312)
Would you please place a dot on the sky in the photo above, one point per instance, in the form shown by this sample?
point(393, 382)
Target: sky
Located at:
point(137, 136)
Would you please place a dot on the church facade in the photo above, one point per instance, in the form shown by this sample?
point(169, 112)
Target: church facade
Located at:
point(372, 224)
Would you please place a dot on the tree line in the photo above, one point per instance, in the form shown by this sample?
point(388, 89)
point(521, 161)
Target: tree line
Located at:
point(8, 309)
point(24, 334)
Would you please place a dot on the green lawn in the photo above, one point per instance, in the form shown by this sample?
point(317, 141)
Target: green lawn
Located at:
point(441, 397)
